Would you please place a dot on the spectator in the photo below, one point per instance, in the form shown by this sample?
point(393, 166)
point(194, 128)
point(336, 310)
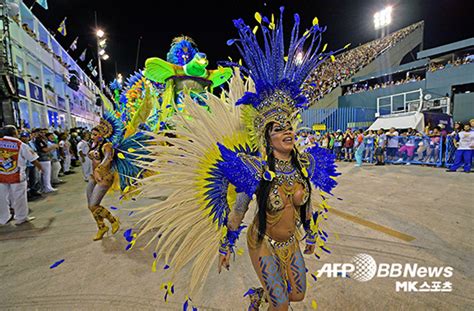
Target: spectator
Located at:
point(44, 153)
point(380, 143)
point(325, 141)
point(348, 145)
point(408, 148)
point(411, 132)
point(55, 164)
point(13, 185)
point(369, 141)
point(34, 175)
point(338, 139)
point(83, 151)
point(331, 141)
point(32, 184)
point(359, 148)
point(392, 144)
point(65, 146)
point(458, 127)
point(432, 153)
point(464, 143)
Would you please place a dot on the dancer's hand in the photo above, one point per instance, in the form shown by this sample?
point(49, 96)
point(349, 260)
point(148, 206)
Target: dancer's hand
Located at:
point(309, 249)
point(224, 261)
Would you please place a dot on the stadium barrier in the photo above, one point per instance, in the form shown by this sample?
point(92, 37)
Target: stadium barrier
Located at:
point(421, 150)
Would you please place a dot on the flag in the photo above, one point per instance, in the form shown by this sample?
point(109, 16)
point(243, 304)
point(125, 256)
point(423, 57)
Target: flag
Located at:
point(43, 3)
point(94, 72)
point(89, 65)
point(62, 27)
point(82, 57)
point(73, 45)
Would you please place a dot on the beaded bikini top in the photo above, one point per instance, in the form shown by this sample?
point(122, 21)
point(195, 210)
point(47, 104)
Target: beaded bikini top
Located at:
point(288, 184)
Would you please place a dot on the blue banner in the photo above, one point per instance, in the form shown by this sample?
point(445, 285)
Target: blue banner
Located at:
point(36, 92)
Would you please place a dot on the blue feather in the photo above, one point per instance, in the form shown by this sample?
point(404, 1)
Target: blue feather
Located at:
point(181, 52)
point(321, 168)
point(242, 175)
point(266, 64)
point(128, 167)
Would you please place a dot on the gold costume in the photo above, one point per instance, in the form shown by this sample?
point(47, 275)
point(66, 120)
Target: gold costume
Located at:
point(288, 190)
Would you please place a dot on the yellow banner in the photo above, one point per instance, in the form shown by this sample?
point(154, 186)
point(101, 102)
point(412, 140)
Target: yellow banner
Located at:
point(319, 127)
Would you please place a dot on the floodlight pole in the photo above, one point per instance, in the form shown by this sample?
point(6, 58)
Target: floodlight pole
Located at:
point(99, 63)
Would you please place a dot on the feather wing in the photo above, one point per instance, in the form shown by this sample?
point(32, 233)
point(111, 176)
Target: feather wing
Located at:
point(321, 167)
point(159, 70)
point(188, 164)
point(219, 76)
point(241, 168)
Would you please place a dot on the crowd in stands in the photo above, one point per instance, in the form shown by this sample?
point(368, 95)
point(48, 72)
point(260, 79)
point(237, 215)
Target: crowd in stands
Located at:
point(389, 146)
point(331, 74)
point(468, 58)
point(359, 88)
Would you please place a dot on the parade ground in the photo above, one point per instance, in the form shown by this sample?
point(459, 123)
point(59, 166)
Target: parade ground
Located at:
point(399, 215)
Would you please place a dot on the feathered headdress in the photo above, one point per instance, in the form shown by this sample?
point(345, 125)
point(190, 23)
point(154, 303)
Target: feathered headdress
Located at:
point(278, 72)
point(182, 50)
point(111, 127)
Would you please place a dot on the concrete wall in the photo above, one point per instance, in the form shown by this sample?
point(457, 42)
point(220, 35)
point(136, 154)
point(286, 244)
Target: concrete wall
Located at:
point(369, 99)
point(463, 107)
point(438, 83)
point(441, 81)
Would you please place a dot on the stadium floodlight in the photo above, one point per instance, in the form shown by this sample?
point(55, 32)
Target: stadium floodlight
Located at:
point(383, 18)
point(105, 57)
point(100, 33)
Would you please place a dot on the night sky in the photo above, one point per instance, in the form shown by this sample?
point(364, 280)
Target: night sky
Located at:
point(210, 24)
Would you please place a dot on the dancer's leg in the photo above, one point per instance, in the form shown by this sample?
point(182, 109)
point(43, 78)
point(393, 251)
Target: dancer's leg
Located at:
point(297, 277)
point(268, 271)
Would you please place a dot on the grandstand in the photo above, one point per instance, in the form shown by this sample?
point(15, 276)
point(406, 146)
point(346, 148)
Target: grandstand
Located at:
point(440, 80)
point(323, 87)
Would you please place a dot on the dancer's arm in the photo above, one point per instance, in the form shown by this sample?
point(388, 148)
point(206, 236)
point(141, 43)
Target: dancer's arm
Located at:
point(237, 213)
point(234, 221)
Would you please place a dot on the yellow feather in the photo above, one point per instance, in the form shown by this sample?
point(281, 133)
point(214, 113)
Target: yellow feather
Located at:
point(315, 21)
point(333, 59)
point(324, 47)
point(347, 45)
point(306, 33)
point(314, 305)
point(153, 266)
point(258, 17)
point(273, 19)
point(255, 29)
point(121, 156)
point(285, 58)
point(131, 150)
